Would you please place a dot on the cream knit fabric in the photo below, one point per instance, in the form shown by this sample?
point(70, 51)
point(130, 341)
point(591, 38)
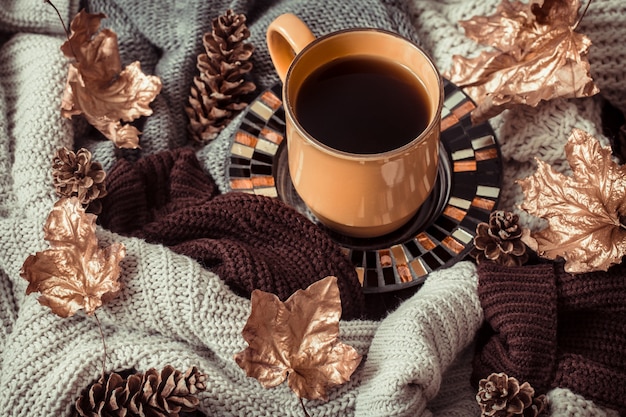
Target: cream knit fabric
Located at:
point(173, 311)
point(564, 403)
point(415, 345)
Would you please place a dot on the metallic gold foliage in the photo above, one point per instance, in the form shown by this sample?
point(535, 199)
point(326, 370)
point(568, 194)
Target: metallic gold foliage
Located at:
point(585, 212)
point(75, 272)
point(537, 56)
point(298, 340)
point(98, 88)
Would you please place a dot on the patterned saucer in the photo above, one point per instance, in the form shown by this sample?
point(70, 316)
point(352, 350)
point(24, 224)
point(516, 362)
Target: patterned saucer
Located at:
point(441, 233)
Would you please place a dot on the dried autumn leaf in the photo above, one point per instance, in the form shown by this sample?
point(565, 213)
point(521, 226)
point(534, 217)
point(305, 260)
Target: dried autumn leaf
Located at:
point(584, 211)
point(75, 272)
point(538, 56)
point(98, 88)
point(298, 340)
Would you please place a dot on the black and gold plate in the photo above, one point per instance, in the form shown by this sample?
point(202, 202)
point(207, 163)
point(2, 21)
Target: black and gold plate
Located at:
point(441, 233)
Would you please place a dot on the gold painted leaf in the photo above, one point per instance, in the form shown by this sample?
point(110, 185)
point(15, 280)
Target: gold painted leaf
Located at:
point(584, 212)
point(98, 88)
point(75, 272)
point(298, 340)
point(537, 56)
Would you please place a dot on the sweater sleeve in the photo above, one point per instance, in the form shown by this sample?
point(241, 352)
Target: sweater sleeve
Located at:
point(415, 344)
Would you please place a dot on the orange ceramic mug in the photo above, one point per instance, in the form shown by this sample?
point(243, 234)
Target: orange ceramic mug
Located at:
point(363, 111)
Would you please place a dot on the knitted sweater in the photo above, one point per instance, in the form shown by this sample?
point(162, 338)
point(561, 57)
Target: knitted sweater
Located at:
point(174, 311)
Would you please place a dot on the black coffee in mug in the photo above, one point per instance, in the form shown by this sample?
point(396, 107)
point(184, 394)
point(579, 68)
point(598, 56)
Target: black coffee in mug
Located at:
point(363, 105)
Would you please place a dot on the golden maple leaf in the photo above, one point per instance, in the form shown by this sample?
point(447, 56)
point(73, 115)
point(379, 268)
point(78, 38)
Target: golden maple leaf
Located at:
point(585, 212)
point(298, 340)
point(538, 56)
point(75, 272)
point(98, 88)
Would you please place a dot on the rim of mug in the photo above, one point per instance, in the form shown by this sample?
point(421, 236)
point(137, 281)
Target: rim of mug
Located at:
point(433, 124)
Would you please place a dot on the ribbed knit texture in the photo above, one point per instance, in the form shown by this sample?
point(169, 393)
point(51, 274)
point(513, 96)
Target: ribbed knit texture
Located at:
point(520, 307)
point(29, 16)
point(592, 335)
point(251, 242)
point(564, 403)
point(404, 367)
point(554, 329)
point(172, 310)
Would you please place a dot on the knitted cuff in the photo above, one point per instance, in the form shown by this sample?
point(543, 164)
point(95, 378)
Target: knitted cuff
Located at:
point(519, 305)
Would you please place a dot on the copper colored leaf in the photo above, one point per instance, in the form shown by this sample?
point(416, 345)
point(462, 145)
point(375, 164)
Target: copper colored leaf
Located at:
point(75, 272)
point(297, 340)
point(537, 56)
point(98, 88)
point(585, 212)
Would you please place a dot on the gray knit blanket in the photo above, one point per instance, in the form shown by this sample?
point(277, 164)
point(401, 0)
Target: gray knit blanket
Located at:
point(417, 360)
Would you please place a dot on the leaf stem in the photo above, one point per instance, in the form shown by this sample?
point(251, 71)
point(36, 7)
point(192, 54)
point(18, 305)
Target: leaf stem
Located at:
point(67, 32)
point(304, 408)
point(580, 18)
point(104, 346)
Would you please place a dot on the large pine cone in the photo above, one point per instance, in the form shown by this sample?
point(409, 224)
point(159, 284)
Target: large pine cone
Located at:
point(154, 394)
point(501, 240)
point(217, 93)
point(503, 396)
point(76, 175)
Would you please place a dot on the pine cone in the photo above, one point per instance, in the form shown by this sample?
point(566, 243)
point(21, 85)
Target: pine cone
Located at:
point(539, 405)
point(76, 175)
point(501, 240)
point(217, 93)
point(503, 396)
point(165, 394)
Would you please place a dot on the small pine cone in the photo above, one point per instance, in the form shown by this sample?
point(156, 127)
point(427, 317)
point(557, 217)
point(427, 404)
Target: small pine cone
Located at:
point(501, 240)
point(166, 393)
point(169, 390)
point(76, 175)
point(503, 396)
point(538, 407)
point(103, 398)
point(217, 93)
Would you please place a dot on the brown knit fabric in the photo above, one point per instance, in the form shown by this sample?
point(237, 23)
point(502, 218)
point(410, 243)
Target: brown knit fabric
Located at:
point(554, 329)
point(521, 308)
point(251, 242)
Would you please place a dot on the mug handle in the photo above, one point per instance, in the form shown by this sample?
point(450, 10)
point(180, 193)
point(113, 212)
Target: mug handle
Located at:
point(286, 36)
